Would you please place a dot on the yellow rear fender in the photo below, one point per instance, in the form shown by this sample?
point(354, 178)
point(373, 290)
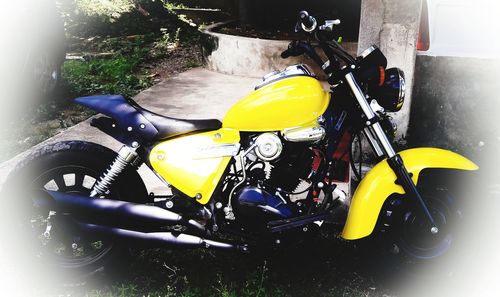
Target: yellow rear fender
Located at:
point(379, 184)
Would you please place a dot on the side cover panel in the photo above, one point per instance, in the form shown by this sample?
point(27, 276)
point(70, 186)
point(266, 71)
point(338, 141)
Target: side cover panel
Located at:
point(379, 184)
point(194, 164)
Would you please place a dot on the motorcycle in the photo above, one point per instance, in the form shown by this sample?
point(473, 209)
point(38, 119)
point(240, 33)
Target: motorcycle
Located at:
point(270, 174)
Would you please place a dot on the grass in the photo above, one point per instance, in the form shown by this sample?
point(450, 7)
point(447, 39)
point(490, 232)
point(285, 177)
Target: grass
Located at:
point(116, 75)
point(134, 46)
point(329, 268)
point(119, 74)
point(319, 266)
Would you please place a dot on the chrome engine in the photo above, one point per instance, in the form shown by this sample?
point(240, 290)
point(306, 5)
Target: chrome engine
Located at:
point(309, 134)
point(285, 158)
point(268, 147)
point(274, 168)
point(274, 171)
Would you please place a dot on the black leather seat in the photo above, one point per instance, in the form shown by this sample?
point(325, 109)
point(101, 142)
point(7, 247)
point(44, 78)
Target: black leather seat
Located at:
point(170, 127)
point(141, 123)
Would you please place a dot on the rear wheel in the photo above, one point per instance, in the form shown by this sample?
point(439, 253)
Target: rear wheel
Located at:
point(51, 237)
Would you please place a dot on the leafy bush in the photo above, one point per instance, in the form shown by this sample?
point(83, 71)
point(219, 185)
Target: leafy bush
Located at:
point(110, 76)
point(112, 9)
point(88, 18)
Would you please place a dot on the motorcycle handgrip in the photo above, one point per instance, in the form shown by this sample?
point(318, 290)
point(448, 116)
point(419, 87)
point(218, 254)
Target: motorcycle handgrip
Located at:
point(306, 19)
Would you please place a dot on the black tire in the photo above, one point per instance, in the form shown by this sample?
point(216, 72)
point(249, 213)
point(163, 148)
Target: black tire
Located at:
point(403, 235)
point(72, 166)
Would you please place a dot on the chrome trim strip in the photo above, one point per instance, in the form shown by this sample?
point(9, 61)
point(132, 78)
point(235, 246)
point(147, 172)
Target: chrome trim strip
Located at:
point(217, 150)
point(402, 86)
point(368, 51)
point(292, 70)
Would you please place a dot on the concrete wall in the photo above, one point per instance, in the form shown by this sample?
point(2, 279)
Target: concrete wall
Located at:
point(456, 105)
point(392, 25)
point(251, 57)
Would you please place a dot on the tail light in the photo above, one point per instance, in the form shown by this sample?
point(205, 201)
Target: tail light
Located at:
point(423, 42)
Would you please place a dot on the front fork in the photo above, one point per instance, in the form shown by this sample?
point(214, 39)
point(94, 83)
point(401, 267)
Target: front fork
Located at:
point(383, 147)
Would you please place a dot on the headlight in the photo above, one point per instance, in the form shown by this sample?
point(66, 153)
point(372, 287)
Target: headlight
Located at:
point(370, 67)
point(391, 94)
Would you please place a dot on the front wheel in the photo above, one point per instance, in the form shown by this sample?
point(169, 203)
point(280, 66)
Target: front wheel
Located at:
point(44, 235)
point(404, 236)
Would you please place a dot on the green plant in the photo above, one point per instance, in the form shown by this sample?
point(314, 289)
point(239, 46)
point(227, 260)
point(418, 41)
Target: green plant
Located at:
point(222, 289)
point(254, 285)
point(116, 75)
point(111, 9)
point(171, 6)
point(177, 36)
point(126, 290)
point(193, 63)
point(163, 43)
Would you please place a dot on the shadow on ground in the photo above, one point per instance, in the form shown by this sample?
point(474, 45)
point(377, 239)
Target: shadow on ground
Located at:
point(323, 267)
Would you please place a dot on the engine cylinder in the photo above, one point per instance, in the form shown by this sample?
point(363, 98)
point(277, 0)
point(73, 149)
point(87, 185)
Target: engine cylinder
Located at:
point(294, 165)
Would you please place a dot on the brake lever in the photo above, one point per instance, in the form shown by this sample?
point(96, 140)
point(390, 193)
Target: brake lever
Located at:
point(328, 26)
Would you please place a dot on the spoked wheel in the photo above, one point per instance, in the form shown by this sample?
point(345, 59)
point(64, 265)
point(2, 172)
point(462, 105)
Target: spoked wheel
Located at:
point(404, 233)
point(59, 238)
point(51, 237)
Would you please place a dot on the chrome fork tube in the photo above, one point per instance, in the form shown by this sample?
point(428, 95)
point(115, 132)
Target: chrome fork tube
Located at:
point(370, 115)
point(386, 144)
point(373, 142)
point(395, 161)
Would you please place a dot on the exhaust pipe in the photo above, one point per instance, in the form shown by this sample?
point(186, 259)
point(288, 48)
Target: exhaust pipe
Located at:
point(160, 239)
point(114, 213)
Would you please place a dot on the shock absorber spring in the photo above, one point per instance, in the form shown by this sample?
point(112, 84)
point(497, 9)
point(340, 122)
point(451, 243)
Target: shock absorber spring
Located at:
point(126, 156)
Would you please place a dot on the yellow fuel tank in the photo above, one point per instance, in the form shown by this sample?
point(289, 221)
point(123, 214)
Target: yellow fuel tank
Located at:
point(290, 102)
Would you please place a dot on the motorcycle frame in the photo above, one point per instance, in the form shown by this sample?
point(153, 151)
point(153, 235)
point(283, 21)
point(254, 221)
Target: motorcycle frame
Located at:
point(364, 208)
point(397, 173)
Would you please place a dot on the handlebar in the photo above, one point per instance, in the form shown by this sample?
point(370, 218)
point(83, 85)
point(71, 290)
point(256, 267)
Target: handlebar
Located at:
point(308, 22)
point(333, 51)
point(297, 48)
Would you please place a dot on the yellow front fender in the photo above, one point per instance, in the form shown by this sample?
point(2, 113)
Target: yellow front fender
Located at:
point(379, 184)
